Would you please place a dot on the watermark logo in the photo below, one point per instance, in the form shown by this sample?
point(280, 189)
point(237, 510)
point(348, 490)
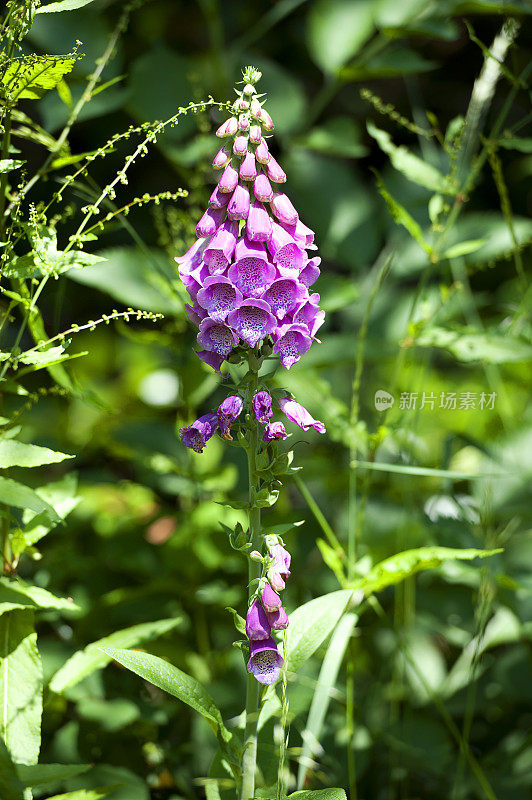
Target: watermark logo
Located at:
point(430, 401)
point(383, 400)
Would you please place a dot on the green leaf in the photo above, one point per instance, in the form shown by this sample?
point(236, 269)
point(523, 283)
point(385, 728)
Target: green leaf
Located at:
point(463, 248)
point(396, 568)
point(15, 593)
point(17, 494)
point(336, 31)
point(63, 5)
point(18, 454)
point(401, 216)
point(93, 657)
point(322, 693)
point(177, 683)
point(516, 143)
point(7, 164)
point(311, 623)
point(410, 165)
point(240, 622)
point(40, 774)
point(61, 495)
point(30, 77)
point(20, 686)
point(10, 785)
point(491, 348)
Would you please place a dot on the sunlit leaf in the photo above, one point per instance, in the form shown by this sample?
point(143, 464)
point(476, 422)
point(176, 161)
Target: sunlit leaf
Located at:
point(396, 568)
point(86, 661)
point(18, 454)
point(20, 686)
point(40, 774)
point(336, 31)
point(30, 77)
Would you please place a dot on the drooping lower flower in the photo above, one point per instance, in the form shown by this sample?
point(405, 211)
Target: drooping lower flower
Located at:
point(257, 625)
point(259, 225)
point(278, 620)
point(219, 251)
point(298, 414)
point(283, 209)
point(274, 431)
point(252, 273)
point(309, 314)
point(262, 407)
point(265, 661)
point(284, 294)
point(287, 255)
point(238, 207)
point(197, 435)
point(227, 413)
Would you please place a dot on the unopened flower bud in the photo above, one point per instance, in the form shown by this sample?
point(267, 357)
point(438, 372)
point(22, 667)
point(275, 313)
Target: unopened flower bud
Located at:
point(267, 121)
point(255, 556)
point(240, 145)
point(222, 158)
point(255, 134)
point(243, 123)
point(249, 89)
point(262, 154)
point(256, 108)
point(243, 105)
point(227, 128)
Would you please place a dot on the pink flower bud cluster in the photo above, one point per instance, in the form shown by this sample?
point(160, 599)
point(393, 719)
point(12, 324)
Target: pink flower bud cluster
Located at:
point(249, 272)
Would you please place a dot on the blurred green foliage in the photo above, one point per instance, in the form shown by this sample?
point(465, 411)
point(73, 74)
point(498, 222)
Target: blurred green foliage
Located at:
point(144, 543)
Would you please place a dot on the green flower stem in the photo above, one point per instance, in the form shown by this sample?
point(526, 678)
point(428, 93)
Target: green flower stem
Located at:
point(249, 758)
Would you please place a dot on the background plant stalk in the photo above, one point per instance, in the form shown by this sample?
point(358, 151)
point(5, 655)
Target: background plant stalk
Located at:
point(249, 758)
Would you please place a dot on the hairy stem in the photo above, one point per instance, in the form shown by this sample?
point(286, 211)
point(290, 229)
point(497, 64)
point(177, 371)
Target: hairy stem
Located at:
point(249, 758)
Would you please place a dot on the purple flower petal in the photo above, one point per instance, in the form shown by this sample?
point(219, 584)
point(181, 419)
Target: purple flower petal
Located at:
point(262, 188)
point(212, 359)
point(198, 434)
point(275, 173)
point(240, 145)
point(278, 620)
point(274, 431)
point(248, 168)
point(219, 297)
point(257, 626)
point(220, 249)
point(252, 273)
point(193, 257)
point(238, 207)
point(228, 179)
point(227, 128)
point(283, 209)
point(262, 154)
point(310, 272)
point(265, 661)
point(255, 134)
point(210, 221)
point(217, 337)
point(218, 199)
point(270, 599)
point(309, 314)
point(298, 414)
point(253, 321)
point(262, 407)
point(227, 413)
point(195, 314)
point(222, 157)
point(259, 224)
point(291, 342)
point(301, 234)
point(287, 255)
point(283, 295)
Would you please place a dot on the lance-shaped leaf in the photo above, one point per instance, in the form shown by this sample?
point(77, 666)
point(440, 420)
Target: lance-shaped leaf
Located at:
point(177, 683)
point(62, 5)
point(61, 495)
point(21, 685)
point(396, 568)
point(17, 494)
point(93, 657)
point(18, 454)
point(7, 164)
point(318, 794)
point(311, 623)
point(34, 775)
point(85, 794)
point(16, 594)
point(412, 167)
